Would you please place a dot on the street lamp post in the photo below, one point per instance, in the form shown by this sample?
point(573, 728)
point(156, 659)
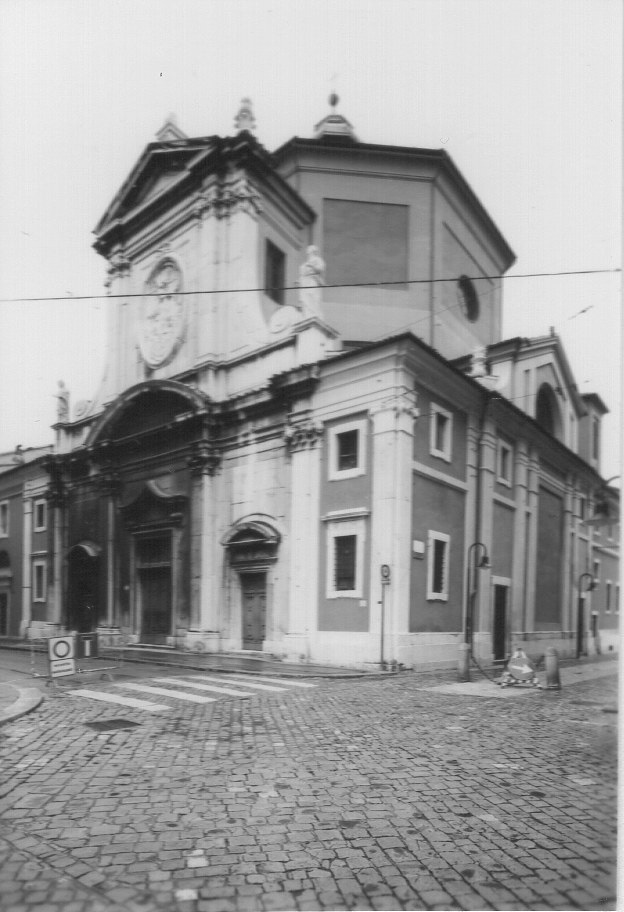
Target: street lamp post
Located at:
point(580, 620)
point(477, 559)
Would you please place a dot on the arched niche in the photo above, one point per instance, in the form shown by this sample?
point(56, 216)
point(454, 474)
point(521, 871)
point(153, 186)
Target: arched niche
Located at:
point(548, 412)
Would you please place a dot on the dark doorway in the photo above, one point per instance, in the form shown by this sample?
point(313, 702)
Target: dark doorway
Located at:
point(500, 623)
point(153, 566)
point(82, 590)
point(253, 588)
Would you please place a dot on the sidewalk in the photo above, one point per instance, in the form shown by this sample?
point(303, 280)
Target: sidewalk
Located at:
point(16, 701)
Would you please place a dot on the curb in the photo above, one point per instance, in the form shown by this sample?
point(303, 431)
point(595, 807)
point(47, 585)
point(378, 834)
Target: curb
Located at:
point(29, 698)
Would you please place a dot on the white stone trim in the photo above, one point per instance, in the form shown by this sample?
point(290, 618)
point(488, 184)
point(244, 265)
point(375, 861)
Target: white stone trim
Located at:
point(40, 502)
point(335, 474)
point(337, 529)
point(42, 597)
point(421, 469)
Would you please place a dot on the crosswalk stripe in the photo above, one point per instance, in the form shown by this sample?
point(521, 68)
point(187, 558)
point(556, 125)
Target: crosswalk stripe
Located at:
point(282, 681)
point(209, 687)
point(163, 692)
point(117, 698)
point(247, 683)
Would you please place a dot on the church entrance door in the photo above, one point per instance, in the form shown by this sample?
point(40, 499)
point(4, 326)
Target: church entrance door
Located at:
point(153, 566)
point(253, 588)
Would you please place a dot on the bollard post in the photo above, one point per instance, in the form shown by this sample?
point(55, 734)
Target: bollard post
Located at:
point(463, 662)
point(553, 681)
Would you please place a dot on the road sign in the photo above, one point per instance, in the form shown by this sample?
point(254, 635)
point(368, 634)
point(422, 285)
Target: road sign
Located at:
point(61, 656)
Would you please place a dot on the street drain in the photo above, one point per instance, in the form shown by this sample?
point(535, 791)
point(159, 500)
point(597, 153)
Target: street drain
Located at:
point(111, 724)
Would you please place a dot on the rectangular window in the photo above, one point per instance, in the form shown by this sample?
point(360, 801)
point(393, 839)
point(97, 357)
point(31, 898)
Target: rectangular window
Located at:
point(40, 516)
point(345, 558)
point(347, 447)
point(438, 566)
point(441, 428)
point(608, 596)
point(345, 562)
point(347, 450)
point(505, 463)
point(39, 581)
point(274, 274)
point(596, 573)
point(582, 507)
point(596, 438)
point(4, 519)
point(617, 598)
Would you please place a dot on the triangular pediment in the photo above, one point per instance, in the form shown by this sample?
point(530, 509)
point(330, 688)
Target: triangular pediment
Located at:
point(161, 166)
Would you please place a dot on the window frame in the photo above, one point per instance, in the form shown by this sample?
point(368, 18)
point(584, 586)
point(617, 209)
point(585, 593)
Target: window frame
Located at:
point(432, 537)
point(507, 449)
point(334, 473)
point(42, 595)
point(340, 529)
point(446, 453)
point(5, 528)
point(42, 503)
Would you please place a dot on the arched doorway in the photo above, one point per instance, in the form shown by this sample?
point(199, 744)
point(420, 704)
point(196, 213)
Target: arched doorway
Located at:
point(82, 587)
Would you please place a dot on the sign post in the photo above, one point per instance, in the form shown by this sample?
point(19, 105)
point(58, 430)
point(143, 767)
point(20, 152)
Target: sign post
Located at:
point(61, 656)
point(385, 581)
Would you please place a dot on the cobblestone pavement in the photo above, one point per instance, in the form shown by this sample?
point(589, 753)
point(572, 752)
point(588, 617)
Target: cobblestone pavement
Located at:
point(357, 794)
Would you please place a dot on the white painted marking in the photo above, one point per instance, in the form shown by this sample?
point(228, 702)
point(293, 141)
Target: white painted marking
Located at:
point(117, 698)
point(209, 687)
point(284, 682)
point(163, 692)
point(247, 683)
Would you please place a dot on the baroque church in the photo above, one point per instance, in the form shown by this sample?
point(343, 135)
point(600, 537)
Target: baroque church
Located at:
point(311, 440)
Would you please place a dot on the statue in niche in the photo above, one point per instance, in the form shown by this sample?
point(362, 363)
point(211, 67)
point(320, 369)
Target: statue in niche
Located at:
point(311, 281)
point(62, 407)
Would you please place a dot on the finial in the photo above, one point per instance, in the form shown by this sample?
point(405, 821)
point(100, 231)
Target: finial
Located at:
point(334, 124)
point(170, 131)
point(245, 119)
point(333, 99)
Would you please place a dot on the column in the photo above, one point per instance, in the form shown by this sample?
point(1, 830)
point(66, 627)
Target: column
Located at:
point(531, 538)
point(391, 522)
point(302, 442)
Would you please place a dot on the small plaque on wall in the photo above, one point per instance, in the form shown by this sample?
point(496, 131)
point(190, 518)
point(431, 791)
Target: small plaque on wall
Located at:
point(418, 549)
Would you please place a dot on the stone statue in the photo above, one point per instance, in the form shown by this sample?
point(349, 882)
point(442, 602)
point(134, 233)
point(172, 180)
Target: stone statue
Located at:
point(62, 408)
point(311, 281)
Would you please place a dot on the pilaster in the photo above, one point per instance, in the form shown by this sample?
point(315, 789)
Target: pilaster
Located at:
point(391, 520)
point(487, 475)
point(203, 463)
point(27, 567)
point(531, 536)
point(519, 558)
point(303, 446)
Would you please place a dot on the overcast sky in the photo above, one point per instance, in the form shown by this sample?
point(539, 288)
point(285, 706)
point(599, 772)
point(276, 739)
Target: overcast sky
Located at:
point(525, 95)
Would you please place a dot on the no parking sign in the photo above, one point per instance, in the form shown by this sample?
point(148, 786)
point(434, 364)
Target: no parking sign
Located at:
point(61, 656)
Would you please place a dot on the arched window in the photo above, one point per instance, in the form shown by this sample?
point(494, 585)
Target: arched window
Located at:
point(547, 411)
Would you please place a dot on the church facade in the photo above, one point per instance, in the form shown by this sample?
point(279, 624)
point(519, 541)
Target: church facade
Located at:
point(311, 439)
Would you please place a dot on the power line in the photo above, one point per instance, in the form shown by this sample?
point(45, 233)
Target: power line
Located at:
point(212, 291)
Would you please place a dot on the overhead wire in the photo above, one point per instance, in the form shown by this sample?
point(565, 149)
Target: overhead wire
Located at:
point(212, 291)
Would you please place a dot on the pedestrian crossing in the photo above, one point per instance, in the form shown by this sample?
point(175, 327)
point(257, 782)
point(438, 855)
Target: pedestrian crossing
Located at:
point(187, 688)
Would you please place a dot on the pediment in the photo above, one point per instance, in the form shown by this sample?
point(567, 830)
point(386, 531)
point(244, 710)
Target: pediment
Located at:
point(161, 166)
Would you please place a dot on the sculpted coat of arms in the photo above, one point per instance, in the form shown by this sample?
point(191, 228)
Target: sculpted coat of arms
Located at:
point(162, 321)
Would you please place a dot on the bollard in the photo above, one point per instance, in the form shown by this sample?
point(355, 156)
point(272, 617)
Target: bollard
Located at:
point(552, 669)
point(463, 663)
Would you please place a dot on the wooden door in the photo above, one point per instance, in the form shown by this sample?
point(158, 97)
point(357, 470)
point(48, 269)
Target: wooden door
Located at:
point(253, 588)
point(153, 564)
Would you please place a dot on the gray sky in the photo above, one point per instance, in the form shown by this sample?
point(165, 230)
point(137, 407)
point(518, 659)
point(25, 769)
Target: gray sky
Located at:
point(525, 95)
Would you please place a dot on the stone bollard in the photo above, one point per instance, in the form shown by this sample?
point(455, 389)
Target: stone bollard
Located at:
point(552, 669)
point(463, 663)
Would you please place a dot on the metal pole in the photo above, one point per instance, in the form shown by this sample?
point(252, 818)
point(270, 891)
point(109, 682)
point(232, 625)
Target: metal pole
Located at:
point(383, 606)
